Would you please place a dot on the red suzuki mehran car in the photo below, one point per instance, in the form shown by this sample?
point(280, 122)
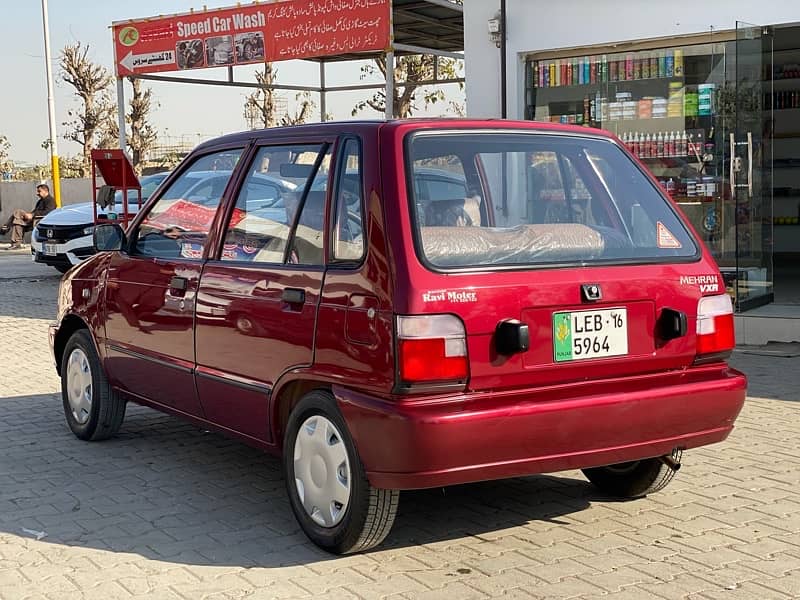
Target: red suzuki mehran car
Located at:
point(409, 304)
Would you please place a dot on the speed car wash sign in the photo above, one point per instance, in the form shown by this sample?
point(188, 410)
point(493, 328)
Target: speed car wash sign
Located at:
point(255, 33)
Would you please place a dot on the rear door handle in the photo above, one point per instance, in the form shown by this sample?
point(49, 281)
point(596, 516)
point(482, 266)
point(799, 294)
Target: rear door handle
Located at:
point(293, 296)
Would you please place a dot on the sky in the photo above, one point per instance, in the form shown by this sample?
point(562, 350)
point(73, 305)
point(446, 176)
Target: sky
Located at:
point(186, 113)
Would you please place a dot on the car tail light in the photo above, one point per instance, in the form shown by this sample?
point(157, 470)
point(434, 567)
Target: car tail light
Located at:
point(431, 348)
point(715, 335)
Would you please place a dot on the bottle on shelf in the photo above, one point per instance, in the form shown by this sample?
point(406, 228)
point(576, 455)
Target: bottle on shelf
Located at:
point(670, 64)
point(660, 145)
point(678, 62)
point(692, 146)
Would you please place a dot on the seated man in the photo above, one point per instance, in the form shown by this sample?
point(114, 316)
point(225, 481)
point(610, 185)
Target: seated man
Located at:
point(21, 220)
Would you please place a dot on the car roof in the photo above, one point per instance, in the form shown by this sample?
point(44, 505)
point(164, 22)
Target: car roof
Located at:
point(365, 126)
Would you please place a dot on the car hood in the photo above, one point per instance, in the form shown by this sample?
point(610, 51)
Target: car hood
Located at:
point(76, 214)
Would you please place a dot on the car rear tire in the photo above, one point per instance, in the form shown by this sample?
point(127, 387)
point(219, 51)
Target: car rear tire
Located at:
point(94, 411)
point(633, 479)
point(328, 489)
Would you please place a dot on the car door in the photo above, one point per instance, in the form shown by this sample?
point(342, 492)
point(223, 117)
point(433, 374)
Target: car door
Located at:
point(152, 286)
point(257, 301)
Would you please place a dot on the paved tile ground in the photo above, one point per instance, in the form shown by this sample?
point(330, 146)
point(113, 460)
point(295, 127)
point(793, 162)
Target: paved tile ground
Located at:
point(168, 511)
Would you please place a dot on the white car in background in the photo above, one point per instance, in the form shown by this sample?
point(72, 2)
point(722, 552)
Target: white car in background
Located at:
point(64, 236)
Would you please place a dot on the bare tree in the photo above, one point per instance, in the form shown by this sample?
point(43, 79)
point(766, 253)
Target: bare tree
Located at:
point(302, 113)
point(262, 102)
point(108, 133)
point(5, 147)
point(409, 73)
point(91, 82)
point(143, 134)
point(263, 107)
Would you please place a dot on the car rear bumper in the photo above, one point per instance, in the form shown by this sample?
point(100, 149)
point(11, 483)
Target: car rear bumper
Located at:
point(437, 441)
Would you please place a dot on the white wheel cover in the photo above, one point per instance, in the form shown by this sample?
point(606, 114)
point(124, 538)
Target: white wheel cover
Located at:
point(79, 385)
point(322, 471)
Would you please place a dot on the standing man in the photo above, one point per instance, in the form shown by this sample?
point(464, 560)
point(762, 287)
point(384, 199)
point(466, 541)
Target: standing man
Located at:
point(22, 220)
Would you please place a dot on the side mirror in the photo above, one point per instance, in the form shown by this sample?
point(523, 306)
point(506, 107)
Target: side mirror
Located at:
point(108, 237)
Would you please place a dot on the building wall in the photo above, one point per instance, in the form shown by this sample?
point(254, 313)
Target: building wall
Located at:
point(22, 194)
point(539, 25)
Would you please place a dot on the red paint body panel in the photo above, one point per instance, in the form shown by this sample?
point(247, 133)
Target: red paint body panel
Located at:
point(145, 317)
point(246, 337)
point(472, 437)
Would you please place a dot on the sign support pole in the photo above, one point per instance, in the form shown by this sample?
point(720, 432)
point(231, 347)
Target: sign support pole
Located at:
point(390, 67)
point(390, 85)
point(322, 94)
point(123, 141)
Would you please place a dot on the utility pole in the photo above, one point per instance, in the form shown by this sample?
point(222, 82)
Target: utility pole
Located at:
point(51, 109)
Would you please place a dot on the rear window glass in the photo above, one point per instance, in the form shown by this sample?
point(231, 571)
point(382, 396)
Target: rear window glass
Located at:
point(516, 199)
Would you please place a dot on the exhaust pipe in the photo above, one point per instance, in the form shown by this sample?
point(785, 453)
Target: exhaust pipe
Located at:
point(668, 460)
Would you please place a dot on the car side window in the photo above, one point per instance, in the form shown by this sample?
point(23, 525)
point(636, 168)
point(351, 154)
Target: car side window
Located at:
point(349, 226)
point(260, 225)
point(178, 224)
point(309, 235)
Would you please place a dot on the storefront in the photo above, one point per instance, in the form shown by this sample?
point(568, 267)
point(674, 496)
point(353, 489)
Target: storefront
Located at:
point(713, 111)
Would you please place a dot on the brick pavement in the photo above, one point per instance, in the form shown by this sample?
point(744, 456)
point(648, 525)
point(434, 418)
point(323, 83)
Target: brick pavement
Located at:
point(169, 511)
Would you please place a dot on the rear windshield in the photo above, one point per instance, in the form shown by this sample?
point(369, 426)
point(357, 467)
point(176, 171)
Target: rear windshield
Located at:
point(513, 199)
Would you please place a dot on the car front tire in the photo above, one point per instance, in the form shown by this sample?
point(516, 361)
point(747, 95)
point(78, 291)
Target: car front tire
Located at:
point(329, 492)
point(94, 411)
point(634, 479)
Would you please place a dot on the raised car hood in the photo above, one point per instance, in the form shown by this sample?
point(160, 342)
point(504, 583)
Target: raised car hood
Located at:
point(77, 214)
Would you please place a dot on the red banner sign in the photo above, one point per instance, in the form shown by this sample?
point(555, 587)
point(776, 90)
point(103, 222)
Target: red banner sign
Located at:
point(256, 33)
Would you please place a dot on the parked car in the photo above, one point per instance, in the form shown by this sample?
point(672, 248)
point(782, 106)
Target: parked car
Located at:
point(381, 334)
point(64, 236)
